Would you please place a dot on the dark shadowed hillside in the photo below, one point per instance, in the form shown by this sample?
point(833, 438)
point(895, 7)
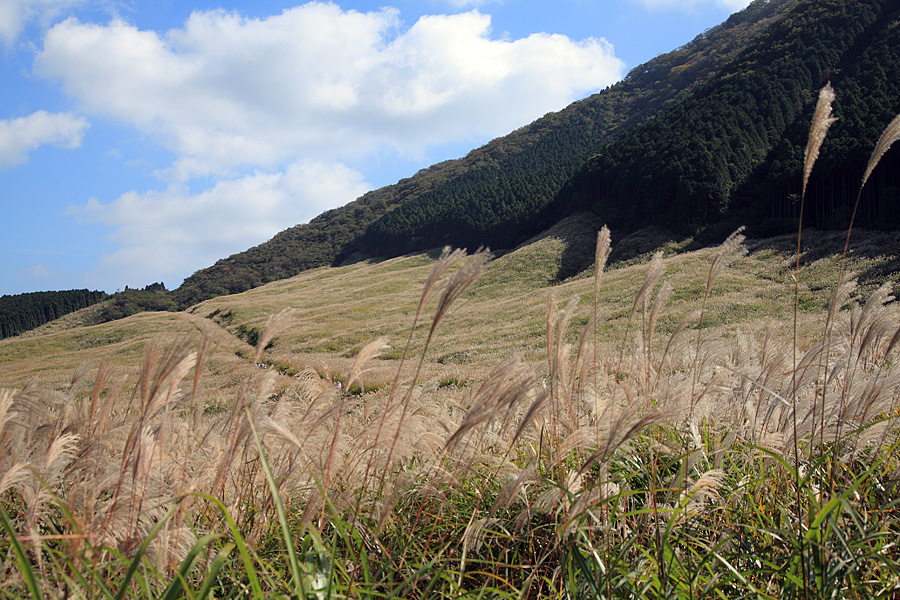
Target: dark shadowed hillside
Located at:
point(731, 152)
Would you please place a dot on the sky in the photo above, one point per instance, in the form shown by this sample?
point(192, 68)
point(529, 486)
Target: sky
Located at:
point(142, 141)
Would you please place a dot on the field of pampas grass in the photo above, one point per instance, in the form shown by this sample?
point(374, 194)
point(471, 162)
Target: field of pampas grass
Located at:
point(643, 441)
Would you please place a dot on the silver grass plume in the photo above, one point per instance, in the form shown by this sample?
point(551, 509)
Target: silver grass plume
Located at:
point(79, 379)
point(601, 255)
point(893, 343)
point(369, 351)
point(705, 488)
point(461, 280)
point(662, 297)
point(822, 120)
point(839, 297)
point(507, 384)
point(202, 357)
point(728, 250)
point(655, 270)
point(477, 530)
point(447, 259)
point(682, 325)
point(6, 402)
point(466, 275)
point(890, 135)
point(273, 327)
point(625, 428)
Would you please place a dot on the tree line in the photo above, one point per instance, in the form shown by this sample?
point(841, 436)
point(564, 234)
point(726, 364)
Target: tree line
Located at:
point(23, 312)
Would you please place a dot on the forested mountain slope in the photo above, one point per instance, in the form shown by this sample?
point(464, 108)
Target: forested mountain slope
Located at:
point(491, 195)
point(867, 83)
point(732, 152)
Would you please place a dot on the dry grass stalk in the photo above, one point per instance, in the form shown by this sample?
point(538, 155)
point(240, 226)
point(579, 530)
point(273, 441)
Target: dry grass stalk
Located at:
point(368, 352)
point(444, 263)
point(890, 135)
point(725, 254)
point(467, 274)
point(655, 270)
point(496, 398)
point(821, 122)
point(601, 255)
point(273, 327)
point(695, 497)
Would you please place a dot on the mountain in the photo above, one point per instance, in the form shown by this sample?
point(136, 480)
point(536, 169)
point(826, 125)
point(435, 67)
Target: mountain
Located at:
point(492, 195)
point(731, 153)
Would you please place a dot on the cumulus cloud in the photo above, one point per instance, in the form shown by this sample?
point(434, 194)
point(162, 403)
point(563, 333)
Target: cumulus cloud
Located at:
point(226, 91)
point(275, 108)
point(15, 14)
point(20, 136)
point(732, 5)
point(167, 235)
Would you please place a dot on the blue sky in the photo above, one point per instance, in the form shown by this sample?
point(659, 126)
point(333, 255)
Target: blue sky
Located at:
point(141, 141)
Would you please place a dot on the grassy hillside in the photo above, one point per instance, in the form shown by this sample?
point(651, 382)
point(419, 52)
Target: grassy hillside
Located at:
point(698, 140)
point(651, 455)
point(671, 422)
point(339, 310)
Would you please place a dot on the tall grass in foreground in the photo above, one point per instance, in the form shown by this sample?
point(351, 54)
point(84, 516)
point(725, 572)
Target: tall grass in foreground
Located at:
point(690, 466)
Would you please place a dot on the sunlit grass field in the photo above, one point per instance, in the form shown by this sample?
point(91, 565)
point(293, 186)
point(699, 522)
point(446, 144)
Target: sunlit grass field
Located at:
point(339, 310)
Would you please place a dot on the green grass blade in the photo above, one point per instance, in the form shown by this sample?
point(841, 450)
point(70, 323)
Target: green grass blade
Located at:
point(175, 588)
point(586, 575)
point(355, 540)
point(24, 563)
point(282, 516)
point(241, 546)
point(214, 569)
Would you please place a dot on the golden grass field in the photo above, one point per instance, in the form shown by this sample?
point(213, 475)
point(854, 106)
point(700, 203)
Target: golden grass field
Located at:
point(339, 310)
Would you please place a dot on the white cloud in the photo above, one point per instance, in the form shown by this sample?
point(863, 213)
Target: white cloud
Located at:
point(20, 136)
point(15, 14)
point(732, 5)
point(225, 91)
point(472, 3)
point(168, 235)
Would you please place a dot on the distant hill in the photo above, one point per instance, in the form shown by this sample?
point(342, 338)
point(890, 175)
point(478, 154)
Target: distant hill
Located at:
point(492, 195)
